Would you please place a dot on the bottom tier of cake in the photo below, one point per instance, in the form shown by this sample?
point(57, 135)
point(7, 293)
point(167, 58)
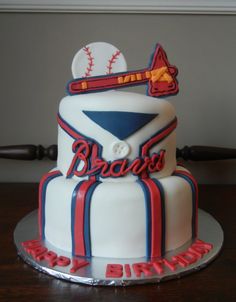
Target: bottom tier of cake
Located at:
point(145, 218)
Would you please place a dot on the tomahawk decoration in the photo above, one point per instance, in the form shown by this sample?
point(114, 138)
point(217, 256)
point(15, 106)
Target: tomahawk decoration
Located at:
point(160, 76)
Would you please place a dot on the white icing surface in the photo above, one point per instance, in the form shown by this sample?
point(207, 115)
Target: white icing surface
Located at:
point(118, 223)
point(178, 206)
point(57, 212)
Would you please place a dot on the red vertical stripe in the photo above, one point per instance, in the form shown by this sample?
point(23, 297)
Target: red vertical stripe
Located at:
point(156, 218)
point(79, 218)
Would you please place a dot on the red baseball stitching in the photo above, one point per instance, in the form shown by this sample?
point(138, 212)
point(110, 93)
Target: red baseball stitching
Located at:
point(112, 61)
point(88, 52)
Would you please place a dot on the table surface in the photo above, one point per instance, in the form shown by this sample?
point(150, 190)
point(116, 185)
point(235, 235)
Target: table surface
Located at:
point(20, 282)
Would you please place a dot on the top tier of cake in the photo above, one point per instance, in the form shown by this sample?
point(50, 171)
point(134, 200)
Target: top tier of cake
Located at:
point(116, 136)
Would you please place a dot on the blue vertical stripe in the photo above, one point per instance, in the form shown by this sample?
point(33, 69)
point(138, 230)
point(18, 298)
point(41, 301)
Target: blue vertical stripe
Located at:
point(44, 189)
point(163, 216)
point(192, 186)
point(73, 206)
point(147, 200)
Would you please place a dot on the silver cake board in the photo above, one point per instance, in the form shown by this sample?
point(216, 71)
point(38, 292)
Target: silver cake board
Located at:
point(93, 271)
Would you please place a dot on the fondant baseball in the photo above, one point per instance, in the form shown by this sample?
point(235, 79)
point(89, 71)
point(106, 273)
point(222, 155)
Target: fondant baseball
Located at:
point(98, 58)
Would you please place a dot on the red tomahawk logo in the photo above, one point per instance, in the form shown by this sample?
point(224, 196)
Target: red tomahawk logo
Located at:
point(160, 78)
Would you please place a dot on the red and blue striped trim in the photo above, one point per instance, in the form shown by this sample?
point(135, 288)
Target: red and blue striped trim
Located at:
point(80, 217)
point(155, 217)
point(194, 187)
point(67, 128)
point(158, 137)
point(76, 135)
point(42, 199)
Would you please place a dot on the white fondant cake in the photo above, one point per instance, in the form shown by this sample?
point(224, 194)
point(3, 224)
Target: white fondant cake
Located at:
point(116, 191)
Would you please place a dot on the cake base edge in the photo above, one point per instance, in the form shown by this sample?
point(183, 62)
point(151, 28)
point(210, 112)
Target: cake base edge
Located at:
point(96, 271)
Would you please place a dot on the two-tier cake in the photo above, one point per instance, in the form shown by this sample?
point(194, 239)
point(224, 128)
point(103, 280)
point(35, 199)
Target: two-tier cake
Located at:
point(117, 192)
